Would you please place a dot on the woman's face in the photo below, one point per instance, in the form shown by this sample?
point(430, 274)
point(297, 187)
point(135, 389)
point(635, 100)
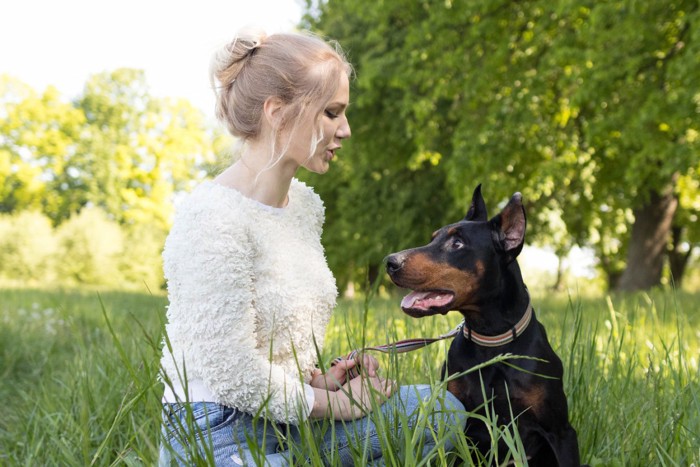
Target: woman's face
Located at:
point(334, 126)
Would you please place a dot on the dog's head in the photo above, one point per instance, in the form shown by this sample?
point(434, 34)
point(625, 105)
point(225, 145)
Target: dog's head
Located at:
point(464, 262)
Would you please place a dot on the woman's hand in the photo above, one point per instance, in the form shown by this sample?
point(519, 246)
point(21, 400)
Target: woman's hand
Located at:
point(368, 364)
point(354, 399)
point(334, 378)
point(337, 374)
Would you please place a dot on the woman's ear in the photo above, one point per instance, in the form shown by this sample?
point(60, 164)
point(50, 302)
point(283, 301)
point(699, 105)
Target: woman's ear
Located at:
point(272, 108)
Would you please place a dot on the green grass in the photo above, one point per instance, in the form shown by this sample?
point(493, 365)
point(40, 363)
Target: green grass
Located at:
point(72, 394)
point(68, 396)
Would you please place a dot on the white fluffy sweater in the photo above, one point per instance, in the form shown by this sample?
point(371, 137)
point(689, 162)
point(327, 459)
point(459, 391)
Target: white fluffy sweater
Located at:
point(250, 292)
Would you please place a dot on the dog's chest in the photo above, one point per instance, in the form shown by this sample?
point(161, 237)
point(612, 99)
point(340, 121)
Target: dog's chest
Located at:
point(496, 384)
point(489, 382)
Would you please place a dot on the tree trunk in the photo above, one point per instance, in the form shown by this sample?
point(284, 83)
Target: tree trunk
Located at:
point(677, 258)
point(558, 285)
point(372, 274)
point(647, 247)
point(611, 274)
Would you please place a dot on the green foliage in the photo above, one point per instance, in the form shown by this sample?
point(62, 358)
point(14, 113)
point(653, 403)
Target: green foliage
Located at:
point(104, 169)
point(140, 261)
point(115, 147)
point(689, 200)
point(89, 249)
point(140, 150)
point(585, 107)
point(27, 247)
point(38, 138)
point(630, 375)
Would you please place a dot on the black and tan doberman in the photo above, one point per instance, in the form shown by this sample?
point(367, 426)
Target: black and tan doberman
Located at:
point(471, 267)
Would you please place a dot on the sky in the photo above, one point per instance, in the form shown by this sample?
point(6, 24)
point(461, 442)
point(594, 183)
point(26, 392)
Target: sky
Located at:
point(63, 42)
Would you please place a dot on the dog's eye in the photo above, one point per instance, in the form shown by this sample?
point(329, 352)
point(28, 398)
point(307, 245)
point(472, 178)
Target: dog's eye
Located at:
point(456, 243)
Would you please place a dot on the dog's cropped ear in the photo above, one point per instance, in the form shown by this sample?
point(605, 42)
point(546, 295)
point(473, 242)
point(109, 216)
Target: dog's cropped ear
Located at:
point(477, 210)
point(509, 227)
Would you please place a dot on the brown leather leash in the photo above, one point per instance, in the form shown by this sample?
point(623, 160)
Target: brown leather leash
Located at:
point(409, 345)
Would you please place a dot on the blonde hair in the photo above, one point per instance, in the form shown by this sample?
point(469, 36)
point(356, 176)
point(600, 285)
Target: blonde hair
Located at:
point(301, 70)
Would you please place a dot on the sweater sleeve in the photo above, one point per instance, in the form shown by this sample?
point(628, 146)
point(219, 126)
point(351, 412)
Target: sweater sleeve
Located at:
point(212, 277)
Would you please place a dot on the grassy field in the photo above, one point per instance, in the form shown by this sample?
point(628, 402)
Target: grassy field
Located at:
point(78, 373)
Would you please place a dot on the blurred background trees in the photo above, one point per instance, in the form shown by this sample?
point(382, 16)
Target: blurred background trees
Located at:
point(590, 109)
point(102, 171)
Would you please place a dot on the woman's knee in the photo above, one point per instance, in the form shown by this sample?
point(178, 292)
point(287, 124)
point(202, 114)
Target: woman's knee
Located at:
point(436, 411)
point(439, 401)
point(455, 410)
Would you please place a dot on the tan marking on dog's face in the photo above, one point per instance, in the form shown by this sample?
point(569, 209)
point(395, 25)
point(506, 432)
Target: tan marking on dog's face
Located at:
point(421, 272)
point(465, 283)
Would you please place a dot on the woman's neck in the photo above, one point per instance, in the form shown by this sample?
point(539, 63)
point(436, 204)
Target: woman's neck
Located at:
point(256, 178)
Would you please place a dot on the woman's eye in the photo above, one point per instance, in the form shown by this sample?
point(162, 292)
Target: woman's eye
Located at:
point(330, 114)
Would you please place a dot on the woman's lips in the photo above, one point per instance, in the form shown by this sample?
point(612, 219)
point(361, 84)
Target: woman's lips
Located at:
point(330, 152)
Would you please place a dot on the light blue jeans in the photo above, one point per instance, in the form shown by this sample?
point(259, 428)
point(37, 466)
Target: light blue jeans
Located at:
point(225, 436)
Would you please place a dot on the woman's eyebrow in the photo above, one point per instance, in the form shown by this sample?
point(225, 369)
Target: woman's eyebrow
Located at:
point(341, 105)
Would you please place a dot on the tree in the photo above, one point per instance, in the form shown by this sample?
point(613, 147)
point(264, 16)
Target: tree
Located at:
point(646, 66)
point(588, 108)
point(107, 165)
point(116, 147)
point(140, 150)
point(39, 137)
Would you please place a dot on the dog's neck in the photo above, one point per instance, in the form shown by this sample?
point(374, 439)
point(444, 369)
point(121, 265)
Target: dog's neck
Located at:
point(500, 308)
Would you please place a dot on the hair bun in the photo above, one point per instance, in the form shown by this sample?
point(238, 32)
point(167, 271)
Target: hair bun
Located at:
point(252, 34)
point(227, 62)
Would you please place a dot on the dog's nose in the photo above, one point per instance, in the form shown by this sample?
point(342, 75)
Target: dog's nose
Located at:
point(393, 263)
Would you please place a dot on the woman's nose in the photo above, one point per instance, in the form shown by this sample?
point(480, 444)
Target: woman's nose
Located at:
point(343, 131)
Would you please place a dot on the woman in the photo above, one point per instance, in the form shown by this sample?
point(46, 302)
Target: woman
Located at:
point(249, 288)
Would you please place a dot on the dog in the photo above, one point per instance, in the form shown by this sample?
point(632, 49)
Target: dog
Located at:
point(471, 267)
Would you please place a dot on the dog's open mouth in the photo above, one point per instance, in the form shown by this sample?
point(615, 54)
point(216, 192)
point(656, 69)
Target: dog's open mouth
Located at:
point(426, 301)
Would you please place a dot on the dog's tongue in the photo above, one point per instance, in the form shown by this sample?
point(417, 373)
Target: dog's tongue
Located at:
point(425, 300)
